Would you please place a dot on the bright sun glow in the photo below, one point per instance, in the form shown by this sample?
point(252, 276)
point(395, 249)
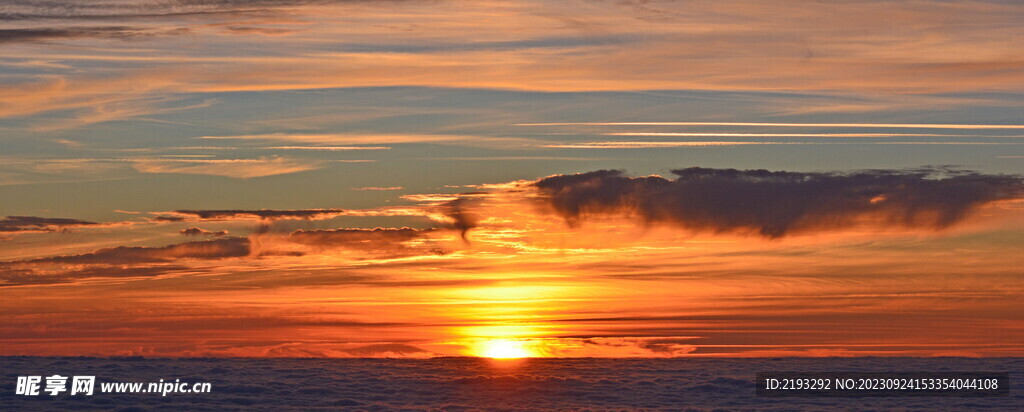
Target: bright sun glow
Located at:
point(504, 349)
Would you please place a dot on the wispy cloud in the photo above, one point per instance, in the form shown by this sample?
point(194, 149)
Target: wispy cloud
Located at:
point(530, 48)
point(391, 242)
point(378, 188)
point(261, 214)
point(119, 9)
point(641, 145)
point(697, 134)
point(755, 124)
point(70, 33)
point(324, 148)
point(213, 249)
point(519, 158)
point(24, 224)
point(380, 139)
point(236, 168)
point(665, 144)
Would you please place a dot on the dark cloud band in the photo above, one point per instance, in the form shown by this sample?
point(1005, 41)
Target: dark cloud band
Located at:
point(196, 231)
point(775, 204)
point(264, 214)
point(40, 224)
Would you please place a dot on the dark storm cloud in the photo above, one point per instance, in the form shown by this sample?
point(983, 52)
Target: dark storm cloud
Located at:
point(40, 224)
point(195, 231)
point(774, 204)
point(263, 214)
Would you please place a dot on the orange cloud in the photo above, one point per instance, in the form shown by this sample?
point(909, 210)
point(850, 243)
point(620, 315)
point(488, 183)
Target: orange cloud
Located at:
point(236, 168)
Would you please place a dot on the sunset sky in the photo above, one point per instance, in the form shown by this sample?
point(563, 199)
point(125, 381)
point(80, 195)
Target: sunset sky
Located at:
point(507, 179)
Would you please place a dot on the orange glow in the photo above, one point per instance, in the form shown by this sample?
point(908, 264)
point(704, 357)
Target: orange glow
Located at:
point(504, 349)
point(527, 285)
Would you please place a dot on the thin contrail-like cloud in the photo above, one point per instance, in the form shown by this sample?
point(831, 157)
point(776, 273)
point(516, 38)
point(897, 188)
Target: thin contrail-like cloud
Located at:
point(631, 145)
point(326, 148)
point(872, 125)
point(640, 145)
point(691, 134)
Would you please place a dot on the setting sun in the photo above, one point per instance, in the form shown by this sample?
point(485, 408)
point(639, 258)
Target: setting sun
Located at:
point(504, 349)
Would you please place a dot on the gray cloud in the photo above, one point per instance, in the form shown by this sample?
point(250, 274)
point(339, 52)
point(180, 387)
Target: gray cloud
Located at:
point(71, 33)
point(775, 204)
point(262, 214)
point(167, 219)
point(14, 276)
point(117, 262)
point(462, 219)
point(139, 261)
point(211, 249)
point(40, 224)
point(195, 231)
point(15, 10)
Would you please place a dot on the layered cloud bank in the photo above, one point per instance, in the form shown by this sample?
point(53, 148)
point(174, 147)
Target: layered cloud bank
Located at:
point(769, 204)
point(40, 224)
point(590, 264)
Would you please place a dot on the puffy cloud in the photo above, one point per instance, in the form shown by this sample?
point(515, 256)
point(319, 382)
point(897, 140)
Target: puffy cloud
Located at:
point(775, 204)
point(40, 224)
